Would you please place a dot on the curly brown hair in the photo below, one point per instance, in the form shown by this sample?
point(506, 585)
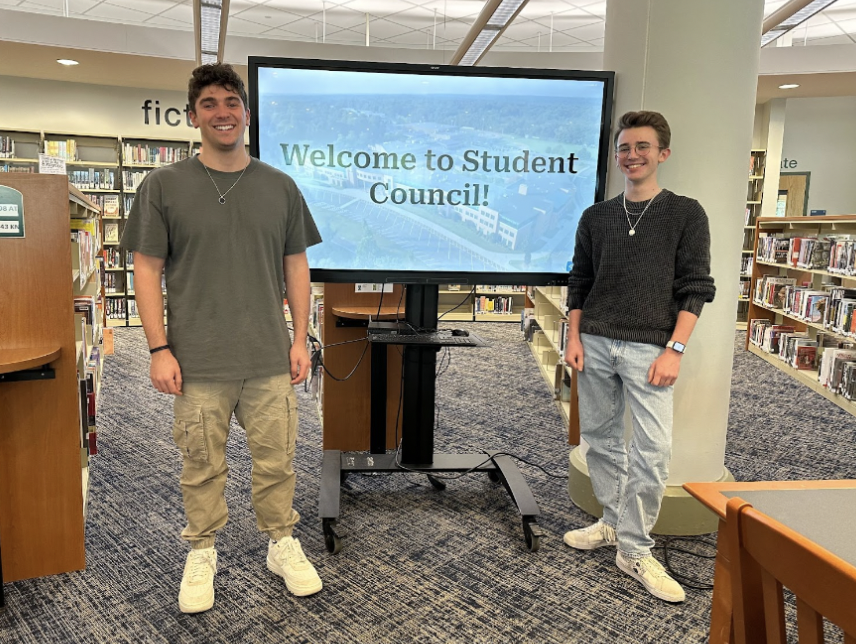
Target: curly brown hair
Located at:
point(645, 119)
point(221, 74)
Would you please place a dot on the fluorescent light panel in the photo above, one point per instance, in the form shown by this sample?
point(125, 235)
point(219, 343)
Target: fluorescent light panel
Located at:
point(797, 18)
point(491, 30)
point(210, 32)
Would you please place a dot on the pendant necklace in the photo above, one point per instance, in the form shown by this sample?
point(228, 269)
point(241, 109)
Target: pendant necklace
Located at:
point(222, 198)
point(641, 214)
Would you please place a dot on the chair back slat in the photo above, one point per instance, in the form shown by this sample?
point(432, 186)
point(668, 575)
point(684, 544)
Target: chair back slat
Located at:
point(765, 556)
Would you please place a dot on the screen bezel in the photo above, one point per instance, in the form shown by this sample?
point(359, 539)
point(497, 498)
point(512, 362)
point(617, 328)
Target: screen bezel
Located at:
point(607, 78)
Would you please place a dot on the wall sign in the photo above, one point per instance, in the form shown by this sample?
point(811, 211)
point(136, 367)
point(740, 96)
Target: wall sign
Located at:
point(11, 213)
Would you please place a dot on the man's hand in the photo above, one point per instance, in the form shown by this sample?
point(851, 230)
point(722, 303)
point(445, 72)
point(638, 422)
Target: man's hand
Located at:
point(574, 354)
point(663, 372)
point(300, 363)
point(166, 373)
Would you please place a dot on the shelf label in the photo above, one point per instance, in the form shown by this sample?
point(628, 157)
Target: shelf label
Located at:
point(11, 213)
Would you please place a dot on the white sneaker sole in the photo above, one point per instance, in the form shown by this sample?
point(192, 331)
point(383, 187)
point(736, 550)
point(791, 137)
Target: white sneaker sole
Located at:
point(659, 594)
point(295, 590)
point(200, 607)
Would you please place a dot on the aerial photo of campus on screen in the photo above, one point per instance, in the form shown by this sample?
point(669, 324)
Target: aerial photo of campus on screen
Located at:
point(435, 173)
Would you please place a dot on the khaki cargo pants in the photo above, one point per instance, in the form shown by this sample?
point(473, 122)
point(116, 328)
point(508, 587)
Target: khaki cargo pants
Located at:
point(267, 410)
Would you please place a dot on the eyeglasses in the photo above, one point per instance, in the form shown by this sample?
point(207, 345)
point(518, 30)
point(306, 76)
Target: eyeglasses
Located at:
point(642, 149)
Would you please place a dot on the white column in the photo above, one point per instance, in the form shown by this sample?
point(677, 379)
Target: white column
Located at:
point(770, 136)
point(696, 62)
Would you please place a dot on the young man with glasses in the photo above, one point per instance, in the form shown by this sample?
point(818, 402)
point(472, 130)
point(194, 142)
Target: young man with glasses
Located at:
point(640, 277)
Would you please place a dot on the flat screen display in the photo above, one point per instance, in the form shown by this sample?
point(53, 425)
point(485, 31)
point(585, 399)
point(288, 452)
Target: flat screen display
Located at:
point(435, 174)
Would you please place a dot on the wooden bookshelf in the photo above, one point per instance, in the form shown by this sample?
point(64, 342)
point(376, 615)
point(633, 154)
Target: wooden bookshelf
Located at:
point(819, 227)
point(41, 445)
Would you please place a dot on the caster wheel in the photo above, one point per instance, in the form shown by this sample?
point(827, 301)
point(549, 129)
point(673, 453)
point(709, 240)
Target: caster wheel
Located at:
point(532, 533)
point(437, 483)
point(493, 476)
point(332, 541)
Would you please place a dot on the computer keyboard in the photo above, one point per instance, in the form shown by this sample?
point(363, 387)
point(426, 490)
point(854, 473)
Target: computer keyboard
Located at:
point(426, 339)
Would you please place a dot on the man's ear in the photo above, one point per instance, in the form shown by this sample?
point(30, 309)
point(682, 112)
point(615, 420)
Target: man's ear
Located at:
point(193, 120)
point(665, 153)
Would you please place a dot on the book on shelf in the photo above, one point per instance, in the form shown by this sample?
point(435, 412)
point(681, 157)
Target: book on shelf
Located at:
point(111, 232)
point(110, 207)
point(804, 358)
point(770, 290)
point(847, 387)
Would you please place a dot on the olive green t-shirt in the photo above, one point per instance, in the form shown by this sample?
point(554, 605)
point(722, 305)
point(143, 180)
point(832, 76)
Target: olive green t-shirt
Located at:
point(224, 263)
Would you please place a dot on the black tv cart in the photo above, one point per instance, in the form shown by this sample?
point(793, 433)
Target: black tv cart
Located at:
point(417, 445)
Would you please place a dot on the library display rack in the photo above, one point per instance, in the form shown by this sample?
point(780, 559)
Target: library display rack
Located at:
point(802, 313)
point(50, 366)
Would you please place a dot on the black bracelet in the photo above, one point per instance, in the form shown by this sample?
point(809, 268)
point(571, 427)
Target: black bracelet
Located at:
point(156, 349)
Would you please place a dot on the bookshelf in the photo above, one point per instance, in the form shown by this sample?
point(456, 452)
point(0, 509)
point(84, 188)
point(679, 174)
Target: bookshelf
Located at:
point(139, 156)
point(19, 151)
point(814, 303)
point(546, 330)
point(44, 442)
point(754, 193)
point(485, 303)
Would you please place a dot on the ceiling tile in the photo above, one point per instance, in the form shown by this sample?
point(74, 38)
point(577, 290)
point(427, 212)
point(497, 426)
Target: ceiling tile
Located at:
point(182, 13)
point(105, 11)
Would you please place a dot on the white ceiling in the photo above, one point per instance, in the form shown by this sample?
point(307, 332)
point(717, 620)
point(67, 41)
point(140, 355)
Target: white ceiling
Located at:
point(142, 43)
point(543, 25)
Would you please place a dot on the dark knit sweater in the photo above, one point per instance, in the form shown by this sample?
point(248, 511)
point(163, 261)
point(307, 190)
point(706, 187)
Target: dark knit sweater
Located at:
point(632, 287)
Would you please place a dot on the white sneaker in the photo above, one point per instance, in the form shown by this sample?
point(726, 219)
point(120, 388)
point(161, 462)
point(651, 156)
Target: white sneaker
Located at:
point(594, 536)
point(197, 584)
point(653, 576)
point(286, 559)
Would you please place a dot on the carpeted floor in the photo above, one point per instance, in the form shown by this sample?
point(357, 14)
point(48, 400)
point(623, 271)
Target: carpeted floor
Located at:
point(418, 565)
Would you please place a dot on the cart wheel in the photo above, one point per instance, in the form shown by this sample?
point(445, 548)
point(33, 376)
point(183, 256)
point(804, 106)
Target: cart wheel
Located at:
point(332, 541)
point(532, 533)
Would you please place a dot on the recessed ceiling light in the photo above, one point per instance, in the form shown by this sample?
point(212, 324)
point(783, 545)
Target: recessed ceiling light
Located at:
point(66, 61)
point(789, 86)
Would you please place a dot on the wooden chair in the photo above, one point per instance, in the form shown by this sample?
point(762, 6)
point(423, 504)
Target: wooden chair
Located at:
point(765, 556)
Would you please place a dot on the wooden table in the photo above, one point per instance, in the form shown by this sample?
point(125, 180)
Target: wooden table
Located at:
point(823, 511)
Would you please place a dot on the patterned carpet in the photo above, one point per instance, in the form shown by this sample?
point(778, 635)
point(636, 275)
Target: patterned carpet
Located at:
point(418, 565)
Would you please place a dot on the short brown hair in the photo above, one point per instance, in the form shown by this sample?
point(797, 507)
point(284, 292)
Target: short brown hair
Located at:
point(645, 119)
point(220, 74)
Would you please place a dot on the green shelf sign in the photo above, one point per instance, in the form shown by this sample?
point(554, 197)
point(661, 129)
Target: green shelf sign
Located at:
point(11, 213)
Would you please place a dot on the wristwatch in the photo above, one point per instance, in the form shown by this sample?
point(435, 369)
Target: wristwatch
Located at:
point(676, 346)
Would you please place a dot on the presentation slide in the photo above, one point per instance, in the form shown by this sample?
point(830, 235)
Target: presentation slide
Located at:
point(420, 172)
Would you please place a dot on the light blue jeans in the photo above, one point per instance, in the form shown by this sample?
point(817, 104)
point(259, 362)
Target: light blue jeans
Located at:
point(628, 479)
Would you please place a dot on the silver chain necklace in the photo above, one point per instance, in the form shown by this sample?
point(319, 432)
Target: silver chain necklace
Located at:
point(222, 198)
point(641, 214)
